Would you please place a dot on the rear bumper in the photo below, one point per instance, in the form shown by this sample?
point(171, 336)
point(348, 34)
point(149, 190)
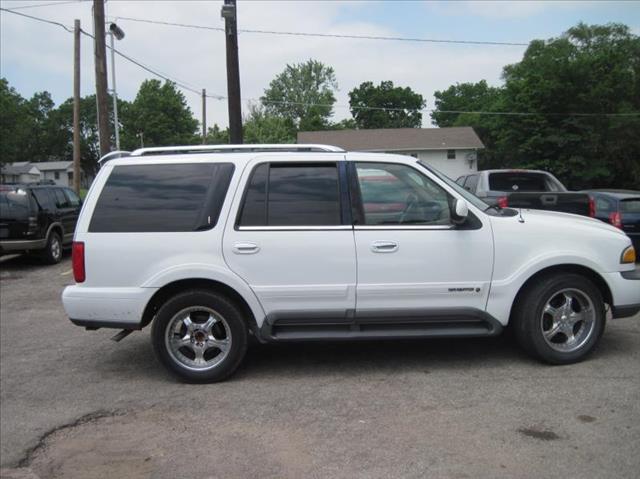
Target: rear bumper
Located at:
point(120, 308)
point(7, 246)
point(625, 289)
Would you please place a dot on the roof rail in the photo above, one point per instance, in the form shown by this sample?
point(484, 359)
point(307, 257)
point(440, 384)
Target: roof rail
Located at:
point(113, 155)
point(169, 150)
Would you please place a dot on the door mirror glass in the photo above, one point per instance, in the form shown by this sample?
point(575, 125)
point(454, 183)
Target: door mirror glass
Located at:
point(459, 212)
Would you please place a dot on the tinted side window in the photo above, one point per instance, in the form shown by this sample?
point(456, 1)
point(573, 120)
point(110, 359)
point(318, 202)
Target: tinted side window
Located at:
point(74, 200)
point(61, 199)
point(254, 209)
point(292, 194)
point(44, 198)
point(161, 198)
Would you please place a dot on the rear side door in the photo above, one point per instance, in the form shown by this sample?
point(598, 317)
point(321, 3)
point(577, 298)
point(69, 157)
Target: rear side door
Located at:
point(76, 203)
point(290, 238)
point(65, 213)
point(412, 260)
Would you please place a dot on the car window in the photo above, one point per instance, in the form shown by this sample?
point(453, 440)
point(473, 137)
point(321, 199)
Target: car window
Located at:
point(630, 206)
point(74, 200)
point(603, 205)
point(44, 198)
point(517, 182)
point(292, 194)
point(398, 194)
point(61, 200)
point(162, 198)
point(471, 183)
point(14, 203)
point(460, 180)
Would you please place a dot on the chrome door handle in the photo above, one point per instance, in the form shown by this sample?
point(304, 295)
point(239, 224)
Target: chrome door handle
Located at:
point(384, 246)
point(245, 248)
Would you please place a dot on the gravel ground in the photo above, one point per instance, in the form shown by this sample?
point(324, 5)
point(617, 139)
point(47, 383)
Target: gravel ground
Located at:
point(74, 404)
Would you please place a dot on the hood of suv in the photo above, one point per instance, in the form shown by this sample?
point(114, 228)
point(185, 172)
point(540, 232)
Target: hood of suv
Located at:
point(556, 218)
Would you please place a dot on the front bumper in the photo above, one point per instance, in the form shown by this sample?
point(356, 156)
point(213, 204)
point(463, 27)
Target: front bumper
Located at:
point(625, 289)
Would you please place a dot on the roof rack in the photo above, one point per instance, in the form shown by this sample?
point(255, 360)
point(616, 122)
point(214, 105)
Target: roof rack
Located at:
point(169, 150)
point(113, 155)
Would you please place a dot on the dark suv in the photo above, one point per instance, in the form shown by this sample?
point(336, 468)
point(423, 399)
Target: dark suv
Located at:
point(37, 218)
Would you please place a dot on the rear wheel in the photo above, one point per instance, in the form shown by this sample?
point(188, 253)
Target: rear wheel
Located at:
point(560, 318)
point(200, 336)
point(52, 253)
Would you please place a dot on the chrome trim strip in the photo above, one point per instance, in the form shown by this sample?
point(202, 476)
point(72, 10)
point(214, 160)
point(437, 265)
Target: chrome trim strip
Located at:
point(401, 227)
point(296, 228)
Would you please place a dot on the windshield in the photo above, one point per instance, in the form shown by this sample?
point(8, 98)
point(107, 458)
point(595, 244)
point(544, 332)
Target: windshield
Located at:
point(470, 197)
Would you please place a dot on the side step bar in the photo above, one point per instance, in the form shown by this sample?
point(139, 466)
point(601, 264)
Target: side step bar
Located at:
point(396, 324)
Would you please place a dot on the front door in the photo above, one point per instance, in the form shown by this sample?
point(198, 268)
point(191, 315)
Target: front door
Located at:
point(411, 258)
point(291, 239)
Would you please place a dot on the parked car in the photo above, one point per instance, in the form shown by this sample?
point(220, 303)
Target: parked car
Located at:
point(38, 219)
point(533, 189)
point(209, 245)
point(620, 208)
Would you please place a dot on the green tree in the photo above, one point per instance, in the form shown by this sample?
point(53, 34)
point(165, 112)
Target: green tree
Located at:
point(161, 114)
point(302, 94)
point(217, 136)
point(15, 123)
point(589, 69)
point(263, 127)
point(395, 107)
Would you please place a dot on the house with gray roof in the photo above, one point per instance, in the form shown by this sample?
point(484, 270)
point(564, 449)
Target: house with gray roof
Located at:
point(52, 172)
point(453, 151)
point(19, 172)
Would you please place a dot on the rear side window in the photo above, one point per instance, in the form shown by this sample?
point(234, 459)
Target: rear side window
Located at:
point(44, 197)
point(471, 183)
point(162, 198)
point(630, 206)
point(292, 194)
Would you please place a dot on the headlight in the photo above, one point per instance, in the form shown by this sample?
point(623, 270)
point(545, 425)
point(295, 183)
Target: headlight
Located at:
point(628, 255)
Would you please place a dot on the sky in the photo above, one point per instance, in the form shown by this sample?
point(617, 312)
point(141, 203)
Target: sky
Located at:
point(35, 56)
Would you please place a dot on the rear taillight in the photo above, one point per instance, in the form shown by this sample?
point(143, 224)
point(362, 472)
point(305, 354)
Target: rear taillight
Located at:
point(77, 260)
point(592, 207)
point(503, 202)
point(615, 219)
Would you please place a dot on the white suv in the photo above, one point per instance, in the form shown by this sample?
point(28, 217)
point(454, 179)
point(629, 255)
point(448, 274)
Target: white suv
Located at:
point(210, 245)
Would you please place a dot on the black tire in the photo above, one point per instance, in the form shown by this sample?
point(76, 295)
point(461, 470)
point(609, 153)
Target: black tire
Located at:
point(52, 253)
point(528, 318)
point(226, 309)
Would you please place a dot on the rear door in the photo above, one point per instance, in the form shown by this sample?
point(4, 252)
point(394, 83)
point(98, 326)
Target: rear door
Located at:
point(291, 239)
point(66, 213)
point(75, 203)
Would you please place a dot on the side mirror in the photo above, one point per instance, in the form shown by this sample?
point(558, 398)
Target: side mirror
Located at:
point(459, 212)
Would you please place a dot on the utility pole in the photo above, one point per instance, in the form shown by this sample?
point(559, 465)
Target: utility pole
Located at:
point(76, 106)
point(204, 116)
point(100, 61)
point(229, 13)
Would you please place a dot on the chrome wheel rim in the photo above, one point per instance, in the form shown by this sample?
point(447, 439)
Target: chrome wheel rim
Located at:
point(56, 249)
point(198, 338)
point(568, 320)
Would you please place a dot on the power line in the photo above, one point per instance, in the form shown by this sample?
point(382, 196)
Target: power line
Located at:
point(38, 5)
point(179, 83)
point(51, 22)
point(309, 104)
point(324, 35)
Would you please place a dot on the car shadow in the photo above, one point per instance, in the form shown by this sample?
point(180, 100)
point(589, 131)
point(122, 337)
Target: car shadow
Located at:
point(26, 262)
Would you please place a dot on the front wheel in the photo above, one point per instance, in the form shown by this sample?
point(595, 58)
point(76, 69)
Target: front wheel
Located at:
point(199, 336)
point(560, 318)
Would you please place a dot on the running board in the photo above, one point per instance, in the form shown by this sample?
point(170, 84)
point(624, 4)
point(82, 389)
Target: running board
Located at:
point(363, 325)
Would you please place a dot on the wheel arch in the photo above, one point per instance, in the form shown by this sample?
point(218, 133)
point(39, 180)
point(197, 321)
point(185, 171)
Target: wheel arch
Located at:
point(585, 271)
point(58, 228)
point(207, 284)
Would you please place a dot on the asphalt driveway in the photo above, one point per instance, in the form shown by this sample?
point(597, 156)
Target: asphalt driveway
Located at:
point(74, 404)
